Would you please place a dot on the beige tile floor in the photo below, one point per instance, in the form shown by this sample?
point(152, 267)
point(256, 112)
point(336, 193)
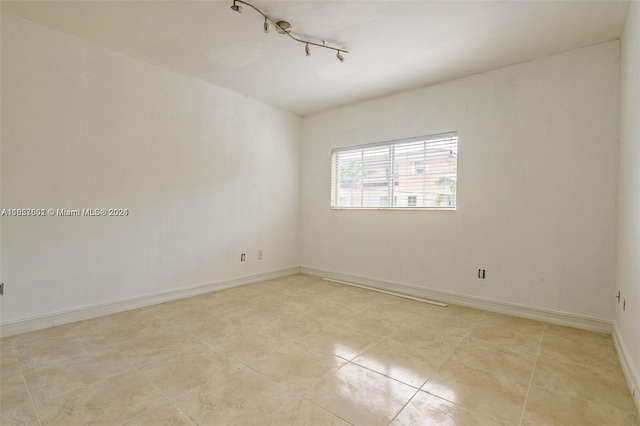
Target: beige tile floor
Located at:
point(299, 350)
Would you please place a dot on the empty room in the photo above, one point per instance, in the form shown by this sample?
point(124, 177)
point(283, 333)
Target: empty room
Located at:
point(320, 212)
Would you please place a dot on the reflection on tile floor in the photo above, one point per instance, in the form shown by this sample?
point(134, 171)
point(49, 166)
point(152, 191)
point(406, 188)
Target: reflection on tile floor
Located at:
point(300, 350)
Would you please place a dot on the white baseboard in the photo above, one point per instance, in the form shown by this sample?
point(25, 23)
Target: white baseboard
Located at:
point(556, 317)
point(73, 315)
point(65, 317)
point(630, 370)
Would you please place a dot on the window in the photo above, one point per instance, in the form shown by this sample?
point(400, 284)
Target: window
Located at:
point(421, 172)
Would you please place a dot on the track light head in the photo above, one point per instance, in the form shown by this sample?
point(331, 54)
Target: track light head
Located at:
point(266, 25)
point(236, 7)
point(307, 50)
point(339, 56)
point(283, 27)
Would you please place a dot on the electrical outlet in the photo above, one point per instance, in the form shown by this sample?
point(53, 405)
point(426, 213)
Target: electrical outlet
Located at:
point(1, 289)
point(243, 257)
point(482, 273)
point(259, 254)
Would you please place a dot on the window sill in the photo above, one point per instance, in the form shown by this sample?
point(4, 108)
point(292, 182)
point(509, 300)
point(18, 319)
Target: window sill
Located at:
point(447, 209)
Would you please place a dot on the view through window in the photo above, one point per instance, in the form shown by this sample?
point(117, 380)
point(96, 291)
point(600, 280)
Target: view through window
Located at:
point(416, 173)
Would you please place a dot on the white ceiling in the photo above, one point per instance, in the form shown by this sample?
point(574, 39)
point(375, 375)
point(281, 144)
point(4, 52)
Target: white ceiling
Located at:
point(394, 45)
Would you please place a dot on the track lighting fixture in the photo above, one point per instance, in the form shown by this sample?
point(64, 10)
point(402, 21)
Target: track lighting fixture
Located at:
point(283, 27)
point(236, 8)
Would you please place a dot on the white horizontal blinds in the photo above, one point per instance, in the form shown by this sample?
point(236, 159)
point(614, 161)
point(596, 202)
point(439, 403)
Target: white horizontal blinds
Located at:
point(361, 177)
point(375, 176)
point(348, 176)
point(425, 173)
point(414, 173)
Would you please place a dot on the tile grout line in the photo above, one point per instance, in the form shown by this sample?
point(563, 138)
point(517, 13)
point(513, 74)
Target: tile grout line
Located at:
point(405, 405)
point(26, 385)
point(427, 379)
point(445, 359)
point(295, 393)
point(290, 390)
point(300, 396)
point(533, 370)
point(145, 377)
point(381, 374)
point(176, 406)
point(324, 409)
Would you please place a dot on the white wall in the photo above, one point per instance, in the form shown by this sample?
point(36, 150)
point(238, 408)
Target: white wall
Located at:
point(537, 173)
point(627, 322)
point(204, 172)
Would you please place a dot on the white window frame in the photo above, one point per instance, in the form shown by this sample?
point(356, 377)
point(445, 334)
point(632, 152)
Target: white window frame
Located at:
point(388, 174)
